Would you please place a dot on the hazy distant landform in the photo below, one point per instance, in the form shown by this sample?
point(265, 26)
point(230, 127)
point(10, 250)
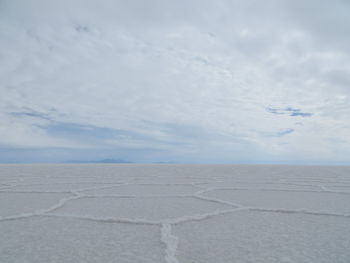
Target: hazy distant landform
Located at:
point(100, 161)
point(129, 213)
point(113, 161)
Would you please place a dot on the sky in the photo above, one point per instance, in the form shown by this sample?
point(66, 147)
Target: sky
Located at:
point(197, 81)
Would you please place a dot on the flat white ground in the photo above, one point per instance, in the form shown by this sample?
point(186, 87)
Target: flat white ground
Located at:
point(174, 214)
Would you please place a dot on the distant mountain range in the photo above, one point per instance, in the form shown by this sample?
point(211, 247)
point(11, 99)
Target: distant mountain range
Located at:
point(165, 162)
point(102, 161)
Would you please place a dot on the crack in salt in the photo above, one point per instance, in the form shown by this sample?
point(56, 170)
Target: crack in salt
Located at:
point(170, 241)
point(106, 219)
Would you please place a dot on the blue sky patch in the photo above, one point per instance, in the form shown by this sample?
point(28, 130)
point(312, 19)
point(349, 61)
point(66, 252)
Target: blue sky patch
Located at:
point(284, 132)
point(33, 114)
point(277, 134)
point(294, 112)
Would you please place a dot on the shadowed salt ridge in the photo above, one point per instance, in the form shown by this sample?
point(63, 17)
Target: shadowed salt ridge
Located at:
point(172, 213)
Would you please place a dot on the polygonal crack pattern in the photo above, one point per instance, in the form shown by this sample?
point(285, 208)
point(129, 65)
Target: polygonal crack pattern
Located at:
point(174, 213)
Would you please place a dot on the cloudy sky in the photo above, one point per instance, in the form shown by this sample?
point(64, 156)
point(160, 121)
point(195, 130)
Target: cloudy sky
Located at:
point(185, 81)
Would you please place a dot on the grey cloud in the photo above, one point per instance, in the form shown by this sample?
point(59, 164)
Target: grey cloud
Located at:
point(327, 21)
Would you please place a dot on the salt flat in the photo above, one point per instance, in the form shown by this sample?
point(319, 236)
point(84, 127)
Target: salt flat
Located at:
point(174, 213)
